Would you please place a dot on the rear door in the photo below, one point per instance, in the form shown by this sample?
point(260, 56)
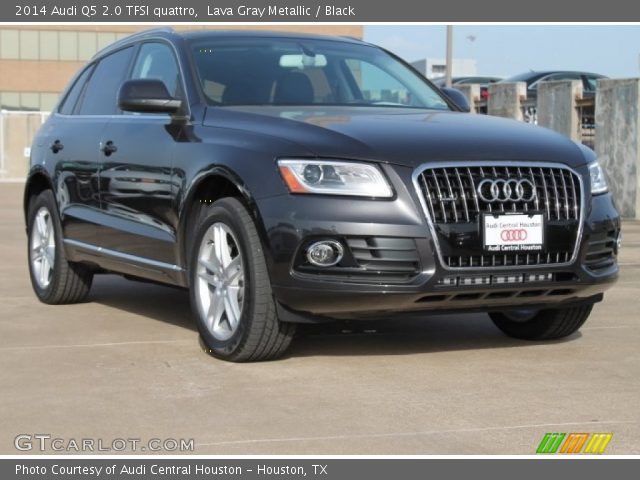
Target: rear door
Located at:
point(78, 138)
point(136, 191)
point(66, 140)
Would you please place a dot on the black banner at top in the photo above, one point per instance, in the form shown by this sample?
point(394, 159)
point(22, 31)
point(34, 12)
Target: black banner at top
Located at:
point(349, 11)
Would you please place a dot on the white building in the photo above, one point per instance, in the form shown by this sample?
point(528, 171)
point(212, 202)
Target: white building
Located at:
point(437, 67)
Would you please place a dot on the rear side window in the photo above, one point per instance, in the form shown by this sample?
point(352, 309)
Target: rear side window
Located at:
point(556, 76)
point(156, 61)
point(100, 96)
point(71, 99)
point(592, 82)
point(563, 76)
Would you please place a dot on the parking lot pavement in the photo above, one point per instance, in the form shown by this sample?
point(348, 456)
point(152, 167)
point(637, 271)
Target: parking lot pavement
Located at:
point(127, 364)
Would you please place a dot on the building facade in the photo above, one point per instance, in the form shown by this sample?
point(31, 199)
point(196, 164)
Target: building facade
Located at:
point(437, 67)
point(37, 61)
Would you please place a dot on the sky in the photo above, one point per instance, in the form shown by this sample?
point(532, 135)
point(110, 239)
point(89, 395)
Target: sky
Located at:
point(610, 50)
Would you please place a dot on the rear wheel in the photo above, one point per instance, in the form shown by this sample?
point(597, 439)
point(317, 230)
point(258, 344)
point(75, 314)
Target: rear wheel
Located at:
point(230, 287)
point(543, 324)
point(55, 280)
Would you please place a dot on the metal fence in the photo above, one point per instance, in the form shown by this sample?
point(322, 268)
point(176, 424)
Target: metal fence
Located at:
point(17, 130)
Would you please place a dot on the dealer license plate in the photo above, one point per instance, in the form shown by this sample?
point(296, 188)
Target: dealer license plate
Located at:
point(513, 232)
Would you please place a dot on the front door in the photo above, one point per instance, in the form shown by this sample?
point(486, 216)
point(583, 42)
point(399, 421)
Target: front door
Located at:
point(137, 196)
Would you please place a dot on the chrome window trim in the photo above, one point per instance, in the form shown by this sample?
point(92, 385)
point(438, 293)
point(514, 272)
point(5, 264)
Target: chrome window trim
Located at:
point(123, 256)
point(418, 189)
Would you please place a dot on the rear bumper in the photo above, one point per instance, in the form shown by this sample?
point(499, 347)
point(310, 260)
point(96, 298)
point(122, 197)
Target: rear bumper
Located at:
point(290, 221)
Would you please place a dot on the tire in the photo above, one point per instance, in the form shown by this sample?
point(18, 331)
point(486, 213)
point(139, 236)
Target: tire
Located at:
point(543, 325)
point(230, 290)
point(54, 279)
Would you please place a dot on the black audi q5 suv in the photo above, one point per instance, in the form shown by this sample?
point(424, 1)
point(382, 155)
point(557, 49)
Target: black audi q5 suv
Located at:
point(286, 178)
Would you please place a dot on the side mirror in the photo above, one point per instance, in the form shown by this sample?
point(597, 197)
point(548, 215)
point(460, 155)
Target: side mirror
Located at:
point(147, 96)
point(457, 97)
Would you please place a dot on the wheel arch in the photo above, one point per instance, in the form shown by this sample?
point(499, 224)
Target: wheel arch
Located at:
point(37, 182)
point(206, 188)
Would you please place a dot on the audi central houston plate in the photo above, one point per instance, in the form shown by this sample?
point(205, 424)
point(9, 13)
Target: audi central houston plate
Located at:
point(510, 232)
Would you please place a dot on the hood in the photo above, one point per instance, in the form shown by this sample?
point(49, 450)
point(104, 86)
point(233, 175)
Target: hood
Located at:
point(402, 136)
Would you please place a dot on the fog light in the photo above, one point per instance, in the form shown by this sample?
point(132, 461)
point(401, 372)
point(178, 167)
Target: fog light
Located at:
point(619, 242)
point(325, 253)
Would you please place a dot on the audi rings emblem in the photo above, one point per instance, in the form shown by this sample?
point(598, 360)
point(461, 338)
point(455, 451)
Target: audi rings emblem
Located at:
point(507, 190)
point(513, 235)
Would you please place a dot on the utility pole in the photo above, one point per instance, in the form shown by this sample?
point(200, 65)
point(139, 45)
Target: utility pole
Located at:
point(449, 60)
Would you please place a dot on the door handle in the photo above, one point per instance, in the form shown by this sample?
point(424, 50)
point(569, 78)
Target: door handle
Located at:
point(108, 148)
point(56, 146)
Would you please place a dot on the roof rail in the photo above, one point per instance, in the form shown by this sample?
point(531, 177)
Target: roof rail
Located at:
point(133, 36)
point(166, 29)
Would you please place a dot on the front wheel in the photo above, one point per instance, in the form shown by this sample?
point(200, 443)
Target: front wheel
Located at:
point(230, 287)
point(542, 325)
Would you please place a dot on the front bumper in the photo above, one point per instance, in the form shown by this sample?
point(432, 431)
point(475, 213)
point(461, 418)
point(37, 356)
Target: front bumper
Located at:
point(291, 221)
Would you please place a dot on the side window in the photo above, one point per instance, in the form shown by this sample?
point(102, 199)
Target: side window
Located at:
point(563, 76)
point(157, 61)
point(591, 82)
point(69, 103)
point(100, 96)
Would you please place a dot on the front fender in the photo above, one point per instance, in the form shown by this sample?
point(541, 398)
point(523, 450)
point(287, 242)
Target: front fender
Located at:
point(218, 175)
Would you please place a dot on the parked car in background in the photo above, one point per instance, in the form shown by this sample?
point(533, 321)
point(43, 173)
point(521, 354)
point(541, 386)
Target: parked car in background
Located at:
point(483, 81)
point(533, 80)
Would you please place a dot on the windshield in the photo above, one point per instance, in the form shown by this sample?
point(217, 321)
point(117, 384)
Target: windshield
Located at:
point(275, 71)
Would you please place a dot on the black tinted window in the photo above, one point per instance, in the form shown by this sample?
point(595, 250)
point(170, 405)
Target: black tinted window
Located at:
point(156, 61)
point(100, 95)
point(72, 97)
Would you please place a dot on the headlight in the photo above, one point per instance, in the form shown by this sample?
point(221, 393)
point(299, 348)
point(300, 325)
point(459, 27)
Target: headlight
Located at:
point(598, 180)
point(334, 178)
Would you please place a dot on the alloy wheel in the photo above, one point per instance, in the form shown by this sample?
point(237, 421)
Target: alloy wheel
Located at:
point(43, 248)
point(220, 288)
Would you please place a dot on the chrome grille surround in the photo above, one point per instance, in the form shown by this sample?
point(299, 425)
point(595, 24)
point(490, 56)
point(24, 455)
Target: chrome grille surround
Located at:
point(572, 209)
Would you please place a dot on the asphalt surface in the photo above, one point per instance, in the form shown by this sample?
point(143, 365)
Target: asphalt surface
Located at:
point(128, 364)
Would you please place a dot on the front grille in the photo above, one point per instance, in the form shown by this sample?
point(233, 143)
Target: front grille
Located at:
point(600, 253)
point(451, 196)
point(496, 296)
point(385, 255)
point(452, 203)
point(508, 259)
